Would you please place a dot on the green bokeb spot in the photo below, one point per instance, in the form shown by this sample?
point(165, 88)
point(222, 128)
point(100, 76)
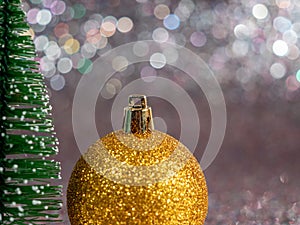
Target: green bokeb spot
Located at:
point(79, 11)
point(298, 75)
point(85, 66)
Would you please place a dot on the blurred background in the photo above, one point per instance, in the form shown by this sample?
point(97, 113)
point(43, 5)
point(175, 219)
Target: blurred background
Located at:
point(252, 48)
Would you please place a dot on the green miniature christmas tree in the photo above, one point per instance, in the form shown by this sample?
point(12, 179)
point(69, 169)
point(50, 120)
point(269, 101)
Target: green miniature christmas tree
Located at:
point(27, 139)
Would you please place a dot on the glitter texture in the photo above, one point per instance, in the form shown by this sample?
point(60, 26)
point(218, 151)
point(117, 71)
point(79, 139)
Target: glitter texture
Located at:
point(102, 190)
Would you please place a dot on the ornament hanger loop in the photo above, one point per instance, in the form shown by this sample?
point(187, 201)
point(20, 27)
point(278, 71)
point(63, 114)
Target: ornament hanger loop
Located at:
point(140, 98)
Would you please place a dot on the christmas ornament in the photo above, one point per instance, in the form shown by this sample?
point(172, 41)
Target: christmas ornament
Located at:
point(137, 175)
point(27, 138)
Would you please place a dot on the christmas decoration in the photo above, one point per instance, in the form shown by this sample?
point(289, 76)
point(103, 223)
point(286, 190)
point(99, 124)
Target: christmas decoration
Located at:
point(137, 175)
point(26, 132)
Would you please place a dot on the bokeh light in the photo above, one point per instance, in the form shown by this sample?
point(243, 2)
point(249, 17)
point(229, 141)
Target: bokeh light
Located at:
point(280, 48)
point(241, 31)
point(298, 75)
point(43, 17)
point(88, 50)
point(161, 11)
point(57, 82)
point(160, 35)
point(71, 46)
point(282, 24)
point(198, 39)
point(93, 36)
point(292, 84)
point(47, 66)
point(158, 60)
point(85, 65)
point(58, 7)
point(296, 28)
point(125, 24)
point(171, 22)
point(41, 43)
point(61, 29)
point(260, 11)
point(79, 11)
point(108, 29)
point(52, 51)
point(64, 65)
point(32, 15)
point(112, 87)
point(119, 63)
point(277, 70)
point(185, 9)
point(140, 49)
point(290, 37)
point(293, 53)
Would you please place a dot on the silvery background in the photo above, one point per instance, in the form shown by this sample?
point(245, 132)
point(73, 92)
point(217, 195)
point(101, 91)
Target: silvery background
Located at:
point(252, 48)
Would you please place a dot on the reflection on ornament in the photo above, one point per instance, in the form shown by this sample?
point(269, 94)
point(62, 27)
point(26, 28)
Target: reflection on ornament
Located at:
point(137, 176)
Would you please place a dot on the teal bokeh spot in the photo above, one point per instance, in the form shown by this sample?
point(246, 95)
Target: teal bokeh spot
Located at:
point(79, 11)
point(85, 66)
point(298, 76)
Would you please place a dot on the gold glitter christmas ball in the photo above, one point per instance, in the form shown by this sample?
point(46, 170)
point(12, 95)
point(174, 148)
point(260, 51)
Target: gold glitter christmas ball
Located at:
point(137, 178)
